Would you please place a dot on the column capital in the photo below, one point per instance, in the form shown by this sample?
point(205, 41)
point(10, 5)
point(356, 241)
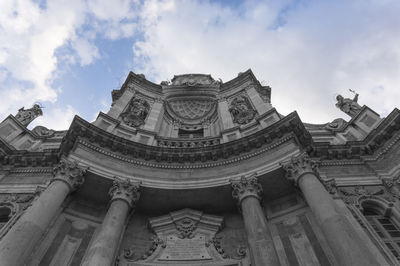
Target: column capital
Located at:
point(299, 166)
point(126, 190)
point(246, 187)
point(69, 173)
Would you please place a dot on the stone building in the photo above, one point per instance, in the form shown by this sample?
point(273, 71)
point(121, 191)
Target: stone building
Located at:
point(196, 171)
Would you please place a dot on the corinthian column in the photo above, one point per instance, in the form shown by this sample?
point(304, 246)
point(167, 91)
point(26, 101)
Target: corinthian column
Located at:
point(247, 191)
point(348, 247)
point(124, 195)
point(19, 242)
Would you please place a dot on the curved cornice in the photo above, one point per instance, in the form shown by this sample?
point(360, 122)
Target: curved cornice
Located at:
point(82, 130)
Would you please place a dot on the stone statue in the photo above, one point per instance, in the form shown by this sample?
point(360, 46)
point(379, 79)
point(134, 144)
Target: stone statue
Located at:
point(241, 110)
point(349, 106)
point(28, 115)
point(136, 112)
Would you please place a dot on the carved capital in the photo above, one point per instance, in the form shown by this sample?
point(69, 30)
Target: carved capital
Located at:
point(299, 166)
point(126, 190)
point(246, 187)
point(69, 173)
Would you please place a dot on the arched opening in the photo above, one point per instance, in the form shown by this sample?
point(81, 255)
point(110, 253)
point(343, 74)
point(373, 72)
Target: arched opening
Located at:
point(384, 225)
point(5, 215)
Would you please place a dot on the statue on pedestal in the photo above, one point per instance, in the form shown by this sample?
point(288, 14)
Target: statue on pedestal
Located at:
point(349, 106)
point(28, 115)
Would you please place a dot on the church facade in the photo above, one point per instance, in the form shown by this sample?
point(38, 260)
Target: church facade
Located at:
point(196, 171)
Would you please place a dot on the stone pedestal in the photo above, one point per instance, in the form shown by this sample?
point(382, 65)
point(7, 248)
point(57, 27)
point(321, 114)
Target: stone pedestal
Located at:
point(248, 192)
point(19, 242)
point(348, 247)
point(124, 194)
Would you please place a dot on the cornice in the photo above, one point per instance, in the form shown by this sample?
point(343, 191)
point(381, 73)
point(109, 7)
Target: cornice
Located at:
point(360, 150)
point(171, 165)
point(95, 138)
point(24, 158)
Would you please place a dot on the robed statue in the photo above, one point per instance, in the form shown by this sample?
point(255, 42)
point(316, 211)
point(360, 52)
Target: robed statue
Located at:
point(349, 106)
point(28, 115)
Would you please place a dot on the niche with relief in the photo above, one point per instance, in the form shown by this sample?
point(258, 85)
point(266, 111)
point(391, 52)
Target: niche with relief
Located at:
point(185, 237)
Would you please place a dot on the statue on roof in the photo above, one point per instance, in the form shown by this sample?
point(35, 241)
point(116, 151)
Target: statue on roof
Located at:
point(28, 115)
point(349, 106)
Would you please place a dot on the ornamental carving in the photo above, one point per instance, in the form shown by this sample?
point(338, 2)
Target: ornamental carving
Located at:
point(298, 166)
point(28, 115)
point(194, 80)
point(136, 112)
point(186, 226)
point(246, 187)
point(265, 93)
point(70, 173)
point(336, 125)
point(241, 110)
point(352, 195)
point(192, 109)
point(126, 190)
point(43, 131)
point(393, 186)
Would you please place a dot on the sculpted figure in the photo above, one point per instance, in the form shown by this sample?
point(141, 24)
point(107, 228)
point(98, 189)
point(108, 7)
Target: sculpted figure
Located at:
point(241, 110)
point(136, 112)
point(349, 106)
point(28, 115)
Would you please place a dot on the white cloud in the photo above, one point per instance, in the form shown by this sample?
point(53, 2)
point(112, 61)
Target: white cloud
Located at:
point(56, 118)
point(31, 35)
point(306, 51)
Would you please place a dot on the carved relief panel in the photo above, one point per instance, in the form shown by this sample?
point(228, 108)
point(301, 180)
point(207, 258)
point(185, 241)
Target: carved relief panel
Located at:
point(185, 237)
point(241, 109)
point(136, 112)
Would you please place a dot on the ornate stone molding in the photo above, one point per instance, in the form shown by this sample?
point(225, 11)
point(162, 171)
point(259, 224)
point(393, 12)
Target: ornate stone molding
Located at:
point(69, 173)
point(392, 185)
point(126, 190)
point(330, 186)
point(246, 187)
point(299, 166)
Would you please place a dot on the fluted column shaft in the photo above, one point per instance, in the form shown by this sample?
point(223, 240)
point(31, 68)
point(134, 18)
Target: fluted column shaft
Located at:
point(19, 242)
point(124, 194)
point(348, 247)
point(248, 192)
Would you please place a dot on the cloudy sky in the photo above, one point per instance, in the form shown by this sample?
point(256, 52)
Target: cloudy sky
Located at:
point(69, 54)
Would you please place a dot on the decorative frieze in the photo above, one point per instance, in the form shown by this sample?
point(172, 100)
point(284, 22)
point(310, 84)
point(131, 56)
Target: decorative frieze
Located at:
point(70, 173)
point(392, 185)
point(246, 187)
point(126, 190)
point(299, 166)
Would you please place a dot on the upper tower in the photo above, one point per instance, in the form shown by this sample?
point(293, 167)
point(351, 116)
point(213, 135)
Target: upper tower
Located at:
point(188, 111)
